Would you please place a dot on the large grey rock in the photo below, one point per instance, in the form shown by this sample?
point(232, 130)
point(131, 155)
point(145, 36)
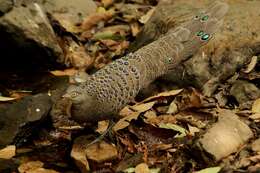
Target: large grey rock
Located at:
point(19, 120)
point(5, 6)
point(70, 13)
point(226, 136)
point(28, 40)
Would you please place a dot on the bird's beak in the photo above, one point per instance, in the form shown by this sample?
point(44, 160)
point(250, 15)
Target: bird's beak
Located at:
point(66, 95)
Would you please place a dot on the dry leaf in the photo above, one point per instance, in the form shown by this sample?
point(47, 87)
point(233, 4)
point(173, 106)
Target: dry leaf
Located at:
point(173, 108)
point(255, 116)
point(142, 168)
point(6, 99)
point(79, 155)
point(126, 111)
point(101, 152)
point(102, 126)
point(251, 65)
point(210, 170)
point(164, 94)
point(193, 130)
point(66, 72)
point(107, 3)
point(34, 167)
point(143, 107)
point(256, 106)
point(174, 127)
point(94, 19)
point(8, 152)
point(147, 16)
point(135, 28)
point(124, 122)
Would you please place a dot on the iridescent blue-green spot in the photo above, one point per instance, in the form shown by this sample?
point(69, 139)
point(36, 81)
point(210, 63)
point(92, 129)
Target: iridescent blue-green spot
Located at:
point(205, 18)
point(200, 33)
point(205, 37)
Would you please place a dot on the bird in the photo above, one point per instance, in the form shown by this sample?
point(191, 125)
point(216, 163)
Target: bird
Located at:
point(111, 88)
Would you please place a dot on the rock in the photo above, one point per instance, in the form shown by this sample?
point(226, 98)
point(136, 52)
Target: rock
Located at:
point(230, 49)
point(226, 136)
point(70, 13)
point(245, 93)
point(28, 40)
point(5, 6)
point(18, 120)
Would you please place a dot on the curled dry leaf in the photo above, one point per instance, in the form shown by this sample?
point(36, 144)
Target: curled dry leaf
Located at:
point(143, 107)
point(251, 65)
point(164, 94)
point(173, 108)
point(174, 127)
point(7, 152)
point(147, 16)
point(6, 99)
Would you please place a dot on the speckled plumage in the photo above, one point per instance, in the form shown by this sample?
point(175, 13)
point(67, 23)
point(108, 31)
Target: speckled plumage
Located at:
point(111, 88)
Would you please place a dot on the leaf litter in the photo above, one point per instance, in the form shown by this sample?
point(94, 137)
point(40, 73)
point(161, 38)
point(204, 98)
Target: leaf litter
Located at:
point(153, 135)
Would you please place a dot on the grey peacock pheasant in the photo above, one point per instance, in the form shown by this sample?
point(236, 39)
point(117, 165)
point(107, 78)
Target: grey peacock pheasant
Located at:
point(107, 91)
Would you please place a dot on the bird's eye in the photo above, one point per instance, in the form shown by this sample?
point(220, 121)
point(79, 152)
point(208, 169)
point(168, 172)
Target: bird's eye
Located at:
point(205, 37)
point(169, 59)
point(196, 17)
point(74, 94)
point(204, 18)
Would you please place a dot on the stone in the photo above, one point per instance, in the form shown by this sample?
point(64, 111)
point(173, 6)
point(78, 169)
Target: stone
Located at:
point(19, 120)
point(28, 40)
point(225, 136)
point(5, 6)
point(70, 13)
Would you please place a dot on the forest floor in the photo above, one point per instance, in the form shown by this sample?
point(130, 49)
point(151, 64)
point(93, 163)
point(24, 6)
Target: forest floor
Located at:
point(168, 128)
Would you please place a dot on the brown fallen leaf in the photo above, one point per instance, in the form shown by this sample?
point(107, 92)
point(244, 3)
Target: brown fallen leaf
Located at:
point(79, 155)
point(6, 99)
point(135, 28)
point(147, 16)
point(94, 19)
point(256, 106)
point(251, 65)
point(102, 126)
point(164, 94)
point(101, 152)
point(173, 108)
point(107, 3)
point(124, 122)
point(7, 152)
point(143, 107)
point(34, 167)
point(66, 72)
point(142, 168)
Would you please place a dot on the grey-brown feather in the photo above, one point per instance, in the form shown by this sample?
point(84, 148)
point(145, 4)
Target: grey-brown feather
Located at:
point(110, 89)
